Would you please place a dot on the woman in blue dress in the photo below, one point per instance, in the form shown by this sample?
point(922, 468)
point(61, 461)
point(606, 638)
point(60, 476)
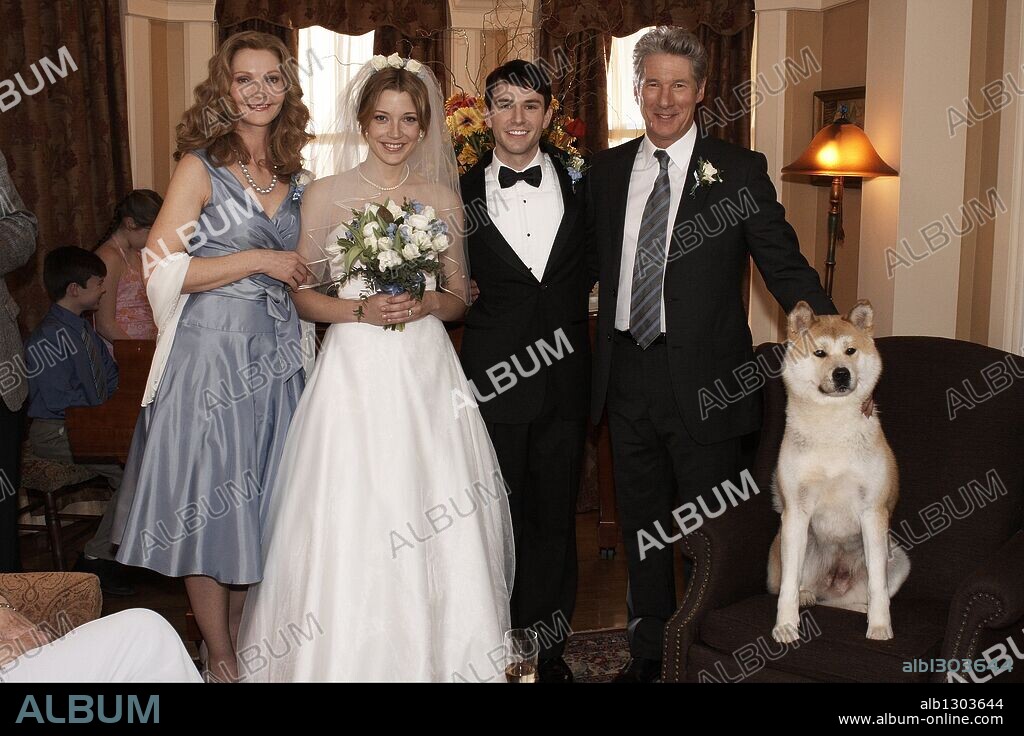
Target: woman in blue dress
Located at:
point(207, 444)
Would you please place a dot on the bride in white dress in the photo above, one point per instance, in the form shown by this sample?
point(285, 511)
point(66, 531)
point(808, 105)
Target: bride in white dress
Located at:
point(388, 544)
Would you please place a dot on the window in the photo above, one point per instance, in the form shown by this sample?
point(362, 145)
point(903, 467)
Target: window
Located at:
point(329, 61)
point(624, 119)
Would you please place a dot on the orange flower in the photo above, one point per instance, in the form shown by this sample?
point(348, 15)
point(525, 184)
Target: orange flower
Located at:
point(467, 120)
point(458, 101)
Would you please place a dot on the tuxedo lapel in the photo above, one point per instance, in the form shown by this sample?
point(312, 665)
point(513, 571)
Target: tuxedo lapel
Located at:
point(570, 212)
point(476, 194)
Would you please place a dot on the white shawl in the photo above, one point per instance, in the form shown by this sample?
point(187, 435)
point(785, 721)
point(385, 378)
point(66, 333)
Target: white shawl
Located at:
point(167, 301)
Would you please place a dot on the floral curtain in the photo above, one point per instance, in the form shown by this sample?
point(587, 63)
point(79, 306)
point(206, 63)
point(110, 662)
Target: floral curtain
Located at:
point(67, 143)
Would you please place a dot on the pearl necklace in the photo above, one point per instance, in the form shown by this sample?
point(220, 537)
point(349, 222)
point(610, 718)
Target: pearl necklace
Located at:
point(378, 186)
point(252, 183)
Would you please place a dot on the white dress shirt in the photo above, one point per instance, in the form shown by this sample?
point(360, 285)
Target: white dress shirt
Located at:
point(528, 217)
point(641, 184)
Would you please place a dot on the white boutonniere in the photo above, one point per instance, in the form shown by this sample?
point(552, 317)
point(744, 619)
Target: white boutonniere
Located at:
point(705, 175)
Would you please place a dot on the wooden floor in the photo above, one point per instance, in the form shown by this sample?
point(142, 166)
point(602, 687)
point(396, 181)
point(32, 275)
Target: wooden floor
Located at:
point(600, 602)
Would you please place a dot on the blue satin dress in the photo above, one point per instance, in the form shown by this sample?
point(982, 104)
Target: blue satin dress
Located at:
point(203, 458)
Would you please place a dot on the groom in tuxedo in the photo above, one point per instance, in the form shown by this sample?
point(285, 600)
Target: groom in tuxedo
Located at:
point(674, 216)
point(526, 348)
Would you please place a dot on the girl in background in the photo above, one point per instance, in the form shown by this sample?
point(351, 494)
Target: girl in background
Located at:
point(124, 312)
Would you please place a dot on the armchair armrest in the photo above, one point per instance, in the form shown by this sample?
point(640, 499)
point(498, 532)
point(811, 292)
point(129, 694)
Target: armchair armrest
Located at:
point(992, 597)
point(730, 558)
point(60, 600)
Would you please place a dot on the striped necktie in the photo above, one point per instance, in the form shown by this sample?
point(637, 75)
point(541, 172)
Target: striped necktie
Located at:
point(99, 374)
point(649, 265)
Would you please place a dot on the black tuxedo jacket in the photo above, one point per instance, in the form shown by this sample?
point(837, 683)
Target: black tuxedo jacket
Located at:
point(716, 228)
point(515, 311)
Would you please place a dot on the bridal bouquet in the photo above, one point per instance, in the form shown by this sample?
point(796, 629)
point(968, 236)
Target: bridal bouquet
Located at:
point(393, 247)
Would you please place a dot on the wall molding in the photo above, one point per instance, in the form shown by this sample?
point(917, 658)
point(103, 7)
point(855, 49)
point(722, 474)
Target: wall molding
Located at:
point(764, 6)
point(1007, 311)
point(187, 11)
point(481, 14)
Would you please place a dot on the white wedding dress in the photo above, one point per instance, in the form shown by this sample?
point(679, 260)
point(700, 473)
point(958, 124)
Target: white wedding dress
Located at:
point(388, 545)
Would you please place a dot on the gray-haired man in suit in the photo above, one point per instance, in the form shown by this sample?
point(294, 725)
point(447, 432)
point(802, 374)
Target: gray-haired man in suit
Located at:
point(18, 229)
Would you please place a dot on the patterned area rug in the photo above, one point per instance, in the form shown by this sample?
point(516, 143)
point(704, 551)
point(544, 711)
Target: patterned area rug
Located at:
point(597, 656)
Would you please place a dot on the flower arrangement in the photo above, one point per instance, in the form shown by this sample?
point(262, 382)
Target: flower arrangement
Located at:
point(392, 247)
point(471, 137)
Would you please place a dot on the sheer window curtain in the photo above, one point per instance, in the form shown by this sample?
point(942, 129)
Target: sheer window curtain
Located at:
point(328, 61)
point(624, 119)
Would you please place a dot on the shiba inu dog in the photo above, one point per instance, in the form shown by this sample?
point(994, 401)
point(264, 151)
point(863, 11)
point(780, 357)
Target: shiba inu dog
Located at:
point(836, 482)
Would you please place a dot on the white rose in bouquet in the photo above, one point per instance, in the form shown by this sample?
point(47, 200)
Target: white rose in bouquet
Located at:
point(371, 230)
point(386, 243)
point(421, 239)
point(395, 210)
point(389, 259)
point(440, 243)
point(410, 251)
point(418, 222)
point(429, 212)
point(372, 243)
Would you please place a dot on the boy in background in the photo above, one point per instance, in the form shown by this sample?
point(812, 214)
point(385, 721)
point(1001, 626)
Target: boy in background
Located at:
point(69, 365)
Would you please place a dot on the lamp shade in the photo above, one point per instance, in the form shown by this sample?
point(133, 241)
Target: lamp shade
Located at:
point(840, 149)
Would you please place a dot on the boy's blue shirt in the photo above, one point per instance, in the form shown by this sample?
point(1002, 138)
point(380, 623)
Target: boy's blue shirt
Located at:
point(57, 362)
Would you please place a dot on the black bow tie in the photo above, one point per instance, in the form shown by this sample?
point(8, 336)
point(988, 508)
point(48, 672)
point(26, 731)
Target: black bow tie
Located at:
point(507, 177)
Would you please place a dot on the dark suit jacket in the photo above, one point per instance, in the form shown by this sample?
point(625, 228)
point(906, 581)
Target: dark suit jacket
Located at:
point(515, 311)
point(715, 230)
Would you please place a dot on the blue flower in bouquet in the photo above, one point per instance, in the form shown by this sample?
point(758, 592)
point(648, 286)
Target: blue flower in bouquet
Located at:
point(393, 247)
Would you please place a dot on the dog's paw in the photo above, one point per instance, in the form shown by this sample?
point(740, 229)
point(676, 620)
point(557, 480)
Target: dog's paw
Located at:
point(880, 631)
point(785, 633)
point(807, 599)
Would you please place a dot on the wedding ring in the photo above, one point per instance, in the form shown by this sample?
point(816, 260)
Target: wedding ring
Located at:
point(410, 311)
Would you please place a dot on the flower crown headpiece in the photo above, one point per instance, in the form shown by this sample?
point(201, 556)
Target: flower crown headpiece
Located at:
point(380, 63)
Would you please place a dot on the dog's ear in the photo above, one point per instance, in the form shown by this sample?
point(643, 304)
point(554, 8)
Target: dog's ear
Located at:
point(800, 319)
point(862, 316)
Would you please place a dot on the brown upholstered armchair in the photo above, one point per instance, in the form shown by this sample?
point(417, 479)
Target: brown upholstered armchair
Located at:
point(61, 600)
point(959, 512)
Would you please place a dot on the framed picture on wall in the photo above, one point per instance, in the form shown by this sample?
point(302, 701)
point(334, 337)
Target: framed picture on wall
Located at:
point(827, 103)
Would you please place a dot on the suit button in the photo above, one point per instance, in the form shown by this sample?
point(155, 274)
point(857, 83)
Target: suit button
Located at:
point(543, 286)
point(609, 338)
